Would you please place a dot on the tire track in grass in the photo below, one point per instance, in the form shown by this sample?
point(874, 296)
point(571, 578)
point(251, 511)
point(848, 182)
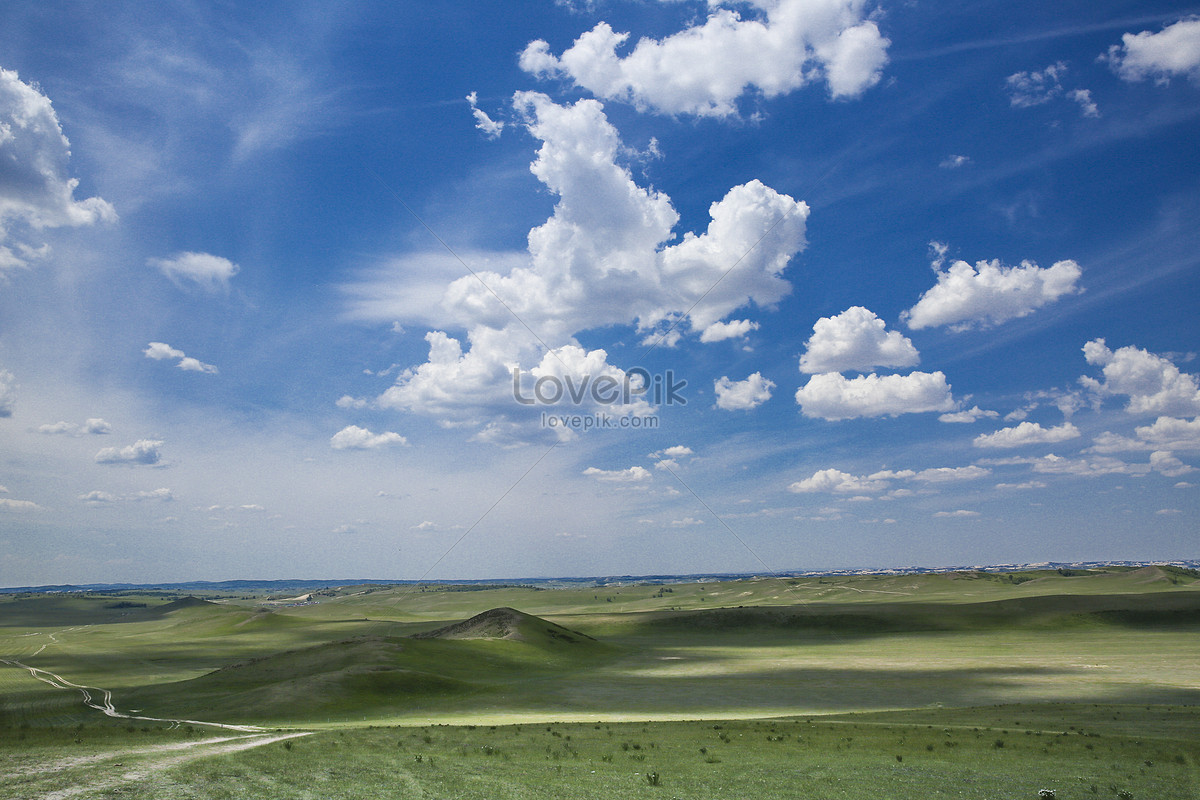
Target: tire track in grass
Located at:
point(196, 750)
point(105, 704)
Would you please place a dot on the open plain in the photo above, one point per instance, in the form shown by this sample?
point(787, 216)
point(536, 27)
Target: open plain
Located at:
point(964, 684)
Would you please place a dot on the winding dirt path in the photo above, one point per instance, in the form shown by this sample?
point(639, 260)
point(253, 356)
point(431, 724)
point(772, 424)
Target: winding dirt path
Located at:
point(105, 704)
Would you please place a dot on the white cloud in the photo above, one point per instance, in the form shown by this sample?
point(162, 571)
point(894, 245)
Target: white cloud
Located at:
point(960, 513)
point(189, 364)
point(989, 293)
point(1025, 434)
point(353, 437)
point(163, 494)
point(1080, 467)
point(686, 522)
point(631, 475)
point(954, 162)
point(35, 190)
point(605, 257)
point(1027, 89)
point(98, 497)
point(160, 351)
point(969, 415)
point(1153, 384)
point(1087, 106)
point(144, 452)
point(209, 272)
point(348, 402)
point(19, 506)
point(704, 69)
point(1175, 50)
point(1022, 486)
point(491, 128)
point(838, 482)
point(857, 340)
point(734, 329)
point(831, 396)
point(8, 393)
point(951, 474)
point(94, 426)
point(677, 451)
point(742, 395)
point(1167, 464)
point(1167, 433)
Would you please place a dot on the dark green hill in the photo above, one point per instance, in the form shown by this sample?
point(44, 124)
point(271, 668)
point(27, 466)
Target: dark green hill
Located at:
point(498, 655)
point(508, 623)
point(1180, 610)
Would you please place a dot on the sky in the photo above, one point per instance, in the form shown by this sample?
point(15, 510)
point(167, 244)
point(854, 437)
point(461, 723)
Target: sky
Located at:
point(622, 287)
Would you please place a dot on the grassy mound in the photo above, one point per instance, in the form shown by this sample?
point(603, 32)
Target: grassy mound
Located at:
point(508, 623)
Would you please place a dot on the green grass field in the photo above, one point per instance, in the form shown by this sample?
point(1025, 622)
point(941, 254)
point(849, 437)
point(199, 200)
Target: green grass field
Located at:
point(945, 685)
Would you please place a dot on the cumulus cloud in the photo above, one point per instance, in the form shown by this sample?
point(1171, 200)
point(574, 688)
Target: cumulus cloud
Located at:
point(631, 475)
point(704, 69)
point(491, 128)
point(857, 340)
point(1087, 106)
point(742, 395)
point(160, 351)
point(838, 482)
point(951, 474)
point(990, 293)
point(94, 426)
point(209, 272)
point(99, 497)
point(1025, 434)
point(1173, 51)
point(35, 190)
point(686, 522)
point(1034, 88)
point(1153, 384)
point(1167, 464)
point(677, 451)
point(969, 415)
point(145, 452)
point(19, 506)
point(954, 161)
point(734, 329)
point(353, 437)
point(607, 256)
point(1023, 486)
point(1090, 467)
point(1167, 433)
point(959, 513)
point(8, 393)
point(831, 396)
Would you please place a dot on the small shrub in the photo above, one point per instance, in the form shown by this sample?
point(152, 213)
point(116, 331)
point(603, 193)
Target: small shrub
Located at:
point(1046, 794)
point(653, 779)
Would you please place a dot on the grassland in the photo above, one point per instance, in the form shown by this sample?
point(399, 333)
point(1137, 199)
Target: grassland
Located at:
point(948, 685)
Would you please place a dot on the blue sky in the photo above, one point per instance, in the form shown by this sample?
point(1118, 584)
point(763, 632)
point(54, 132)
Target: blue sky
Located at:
point(273, 280)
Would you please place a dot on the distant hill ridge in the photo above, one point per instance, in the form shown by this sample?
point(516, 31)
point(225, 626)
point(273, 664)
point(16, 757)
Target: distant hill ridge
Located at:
point(300, 585)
